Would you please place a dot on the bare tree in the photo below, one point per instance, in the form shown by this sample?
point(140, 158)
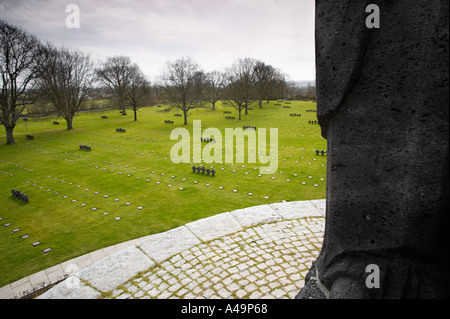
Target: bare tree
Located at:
point(182, 81)
point(279, 87)
point(263, 76)
point(115, 74)
point(214, 86)
point(138, 92)
point(269, 81)
point(65, 77)
point(234, 95)
point(311, 92)
point(241, 84)
point(19, 52)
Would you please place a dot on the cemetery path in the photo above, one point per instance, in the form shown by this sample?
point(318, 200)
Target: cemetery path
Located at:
point(253, 253)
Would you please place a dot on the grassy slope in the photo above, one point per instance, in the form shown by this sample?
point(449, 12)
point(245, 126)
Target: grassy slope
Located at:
point(53, 162)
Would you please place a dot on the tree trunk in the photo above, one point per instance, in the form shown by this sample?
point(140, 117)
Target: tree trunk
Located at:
point(135, 113)
point(185, 117)
point(260, 102)
point(9, 135)
point(246, 108)
point(240, 110)
point(214, 106)
point(122, 106)
point(69, 121)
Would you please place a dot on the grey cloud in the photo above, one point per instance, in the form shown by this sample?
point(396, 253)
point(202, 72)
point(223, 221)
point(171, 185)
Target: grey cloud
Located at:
point(213, 32)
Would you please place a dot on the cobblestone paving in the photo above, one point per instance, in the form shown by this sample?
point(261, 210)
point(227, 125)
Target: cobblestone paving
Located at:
point(264, 261)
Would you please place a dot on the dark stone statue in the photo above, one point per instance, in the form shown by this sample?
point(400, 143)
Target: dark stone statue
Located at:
point(383, 106)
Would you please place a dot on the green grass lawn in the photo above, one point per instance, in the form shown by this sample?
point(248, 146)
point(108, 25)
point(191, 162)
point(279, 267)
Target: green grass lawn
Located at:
point(53, 163)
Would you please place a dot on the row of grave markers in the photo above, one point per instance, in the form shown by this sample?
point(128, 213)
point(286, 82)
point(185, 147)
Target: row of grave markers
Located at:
point(180, 115)
point(34, 244)
point(19, 195)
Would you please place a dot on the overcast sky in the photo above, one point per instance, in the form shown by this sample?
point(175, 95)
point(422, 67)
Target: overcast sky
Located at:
point(151, 32)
